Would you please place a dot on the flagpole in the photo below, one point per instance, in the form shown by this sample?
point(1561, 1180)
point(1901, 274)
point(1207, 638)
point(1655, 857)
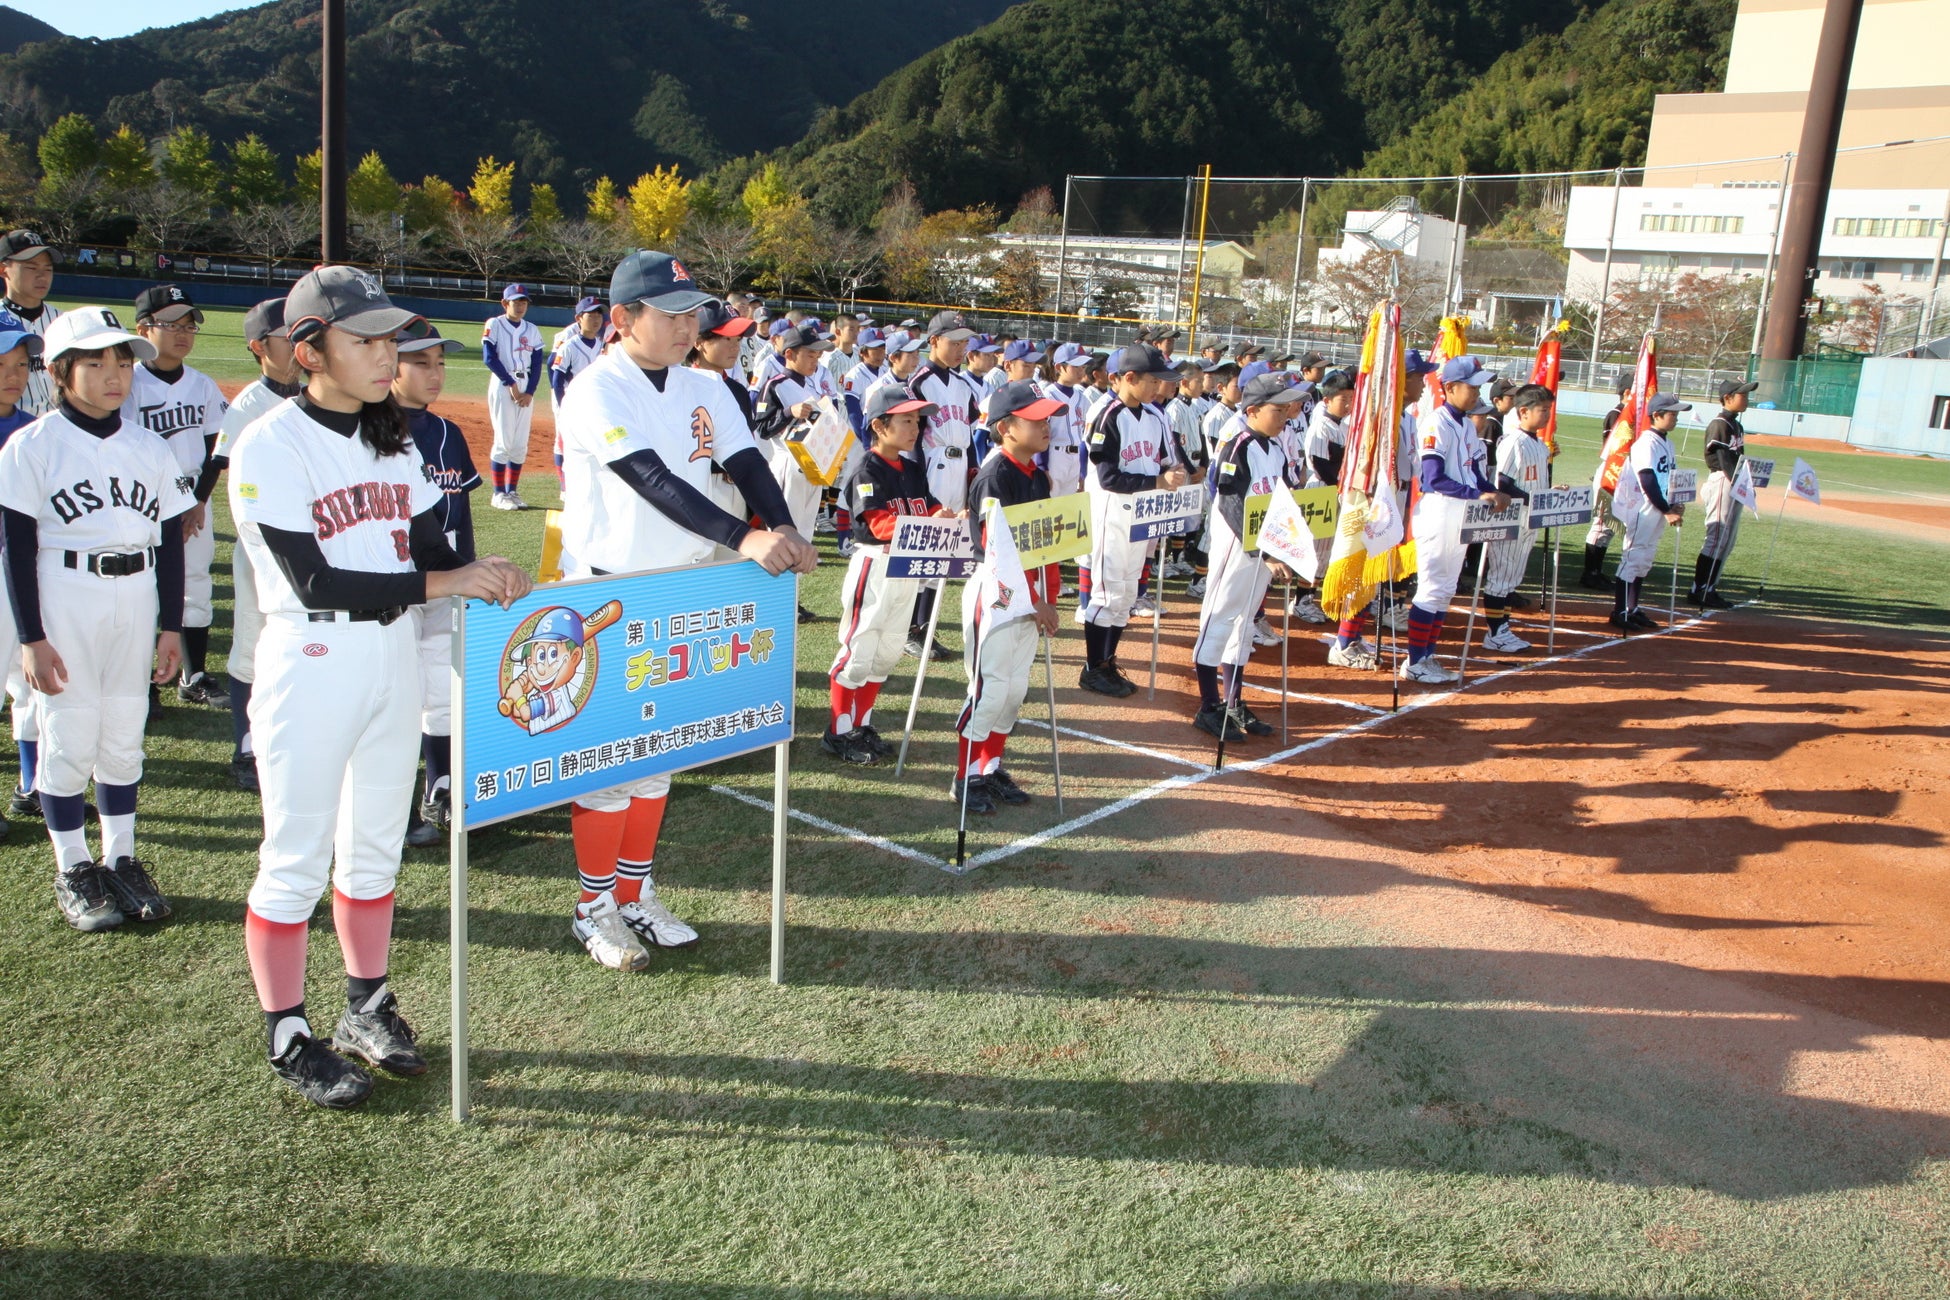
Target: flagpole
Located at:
point(1557, 575)
point(1394, 634)
point(1157, 613)
point(1768, 567)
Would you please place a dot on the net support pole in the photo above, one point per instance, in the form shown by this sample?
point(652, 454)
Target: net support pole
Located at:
point(1773, 252)
point(332, 245)
point(1604, 282)
point(1178, 281)
point(1299, 253)
point(1062, 260)
point(1453, 290)
point(1198, 266)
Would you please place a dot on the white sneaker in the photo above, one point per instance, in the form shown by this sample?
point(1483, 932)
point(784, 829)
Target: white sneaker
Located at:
point(600, 928)
point(1356, 654)
point(1427, 670)
point(1395, 617)
point(823, 522)
point(1505, 642)
point(504, 501)
point(1064, 591)
point(1183, 569)
point(846, 547)
point(1197, 590)
point(650, 919)
point(1263, 633)
point(514, 501)
point(1307, 609)
point(1144, 608)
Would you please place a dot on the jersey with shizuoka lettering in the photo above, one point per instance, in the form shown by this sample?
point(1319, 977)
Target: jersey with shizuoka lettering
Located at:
point(288, 471)
point(183, 412)
point(613, 410)
point(93, 494)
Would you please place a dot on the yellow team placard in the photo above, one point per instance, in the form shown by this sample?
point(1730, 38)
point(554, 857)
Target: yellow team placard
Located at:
point(1256, 508)
point(1048, 531)
point(1322, 507)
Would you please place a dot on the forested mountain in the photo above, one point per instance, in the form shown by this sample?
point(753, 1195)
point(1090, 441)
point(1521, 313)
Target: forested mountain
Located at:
point(17, 28)
point(566, 92)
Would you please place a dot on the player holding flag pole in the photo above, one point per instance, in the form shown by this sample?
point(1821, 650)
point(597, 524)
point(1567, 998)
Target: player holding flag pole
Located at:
point(1369, 533)
point(1634, 417)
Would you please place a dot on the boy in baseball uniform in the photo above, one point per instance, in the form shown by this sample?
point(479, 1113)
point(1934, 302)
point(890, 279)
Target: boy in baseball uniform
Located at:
point(511, 348)
point(27, 265)
point(1726, 447)
point(185, 408)
point(1643, 504)
point(786, 401)
point(1522, 467)
point(998, 656)
point(641, 431)
point(1455, 472)
point(575, 350)
point(90, 504)
point(279, 379)
point(1619, 434)
point(888, 486)
point(947, 437)
point(19, 349)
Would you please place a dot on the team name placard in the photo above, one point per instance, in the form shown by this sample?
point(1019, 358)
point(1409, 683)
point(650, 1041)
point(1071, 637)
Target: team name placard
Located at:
point(1563, 507)
point(1167, 512)
point(935, 546)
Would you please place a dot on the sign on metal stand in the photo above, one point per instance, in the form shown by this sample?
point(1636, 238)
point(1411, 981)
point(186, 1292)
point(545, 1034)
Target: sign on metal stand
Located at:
point(1481, 526)
point(1550, 510)
point(1166, 512)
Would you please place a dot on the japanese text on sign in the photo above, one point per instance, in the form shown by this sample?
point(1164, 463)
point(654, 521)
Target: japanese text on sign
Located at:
point(1048, 531)
point(1685, 486)
point(1762, 471)
point(1482, 524)
point(931, 547)
point(1167, 512)
point(1562, 507)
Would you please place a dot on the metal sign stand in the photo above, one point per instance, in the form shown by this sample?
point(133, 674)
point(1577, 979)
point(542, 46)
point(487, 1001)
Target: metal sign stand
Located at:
point(921, 674)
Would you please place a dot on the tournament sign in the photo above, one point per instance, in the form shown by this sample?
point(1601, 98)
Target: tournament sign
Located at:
point(1046, 532)
point(1685, 487)
point(1564, 507)
point(1761, 470)
point(1167, 512)
point(1255, 519)
point(931, 546)
point(1482, 524)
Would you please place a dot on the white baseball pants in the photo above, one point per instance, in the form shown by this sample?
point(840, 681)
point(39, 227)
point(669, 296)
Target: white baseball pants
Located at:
point(997, 657)
point(1235, 584)
point(1439, 554)
point(875, 611)
point(104, 629)
point(511, 424)
point(1642, 533)
point(1116, 562)
point(246, 616)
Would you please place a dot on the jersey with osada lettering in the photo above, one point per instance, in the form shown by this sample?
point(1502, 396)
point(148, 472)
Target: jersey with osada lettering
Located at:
point(184, 410)
point(612, 410)
point(92, 494)
point(288, 471)
point(881, 491)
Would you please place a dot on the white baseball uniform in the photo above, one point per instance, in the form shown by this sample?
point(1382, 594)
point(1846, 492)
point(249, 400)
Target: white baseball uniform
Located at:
point(39, 398)
point(1524, 460)
point(336, 706)
point(946, 435)
point(1065, 461)
point(801, 493)
point(246, 614)
point(1235, 578)
point(516, 346)
point(1451, 438)
point(1128, 450)
point(1644, 522)
point(186, 412)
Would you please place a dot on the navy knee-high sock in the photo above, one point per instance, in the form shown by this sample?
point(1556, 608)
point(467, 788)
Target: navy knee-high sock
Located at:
point(240, 716)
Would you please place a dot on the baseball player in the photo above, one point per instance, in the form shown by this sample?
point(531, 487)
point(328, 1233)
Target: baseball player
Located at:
point(1236, 579)
point(875, 610)
point(1643, 504)
point(947, 438)
point(903, 361)
point(511, 349)
point(1522, 467)
point(278, 381)
point(575, 350)
point(771, 361)
point(90, 505)
point(720, 334)
point(345, 536)
point(998, 656)
point(417, 384)
point(633, 428)
point(788, 400)
point(1726, 445)
point(846, 349)
point(27, 265)
point(1455, 472)
point(1129, 445)
point(1619, 435)
point(18, 351)
point(185, 408)
point(868, 371)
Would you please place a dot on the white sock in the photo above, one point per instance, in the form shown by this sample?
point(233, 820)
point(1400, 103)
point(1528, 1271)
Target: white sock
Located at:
point(70, 847)
point(118, 837)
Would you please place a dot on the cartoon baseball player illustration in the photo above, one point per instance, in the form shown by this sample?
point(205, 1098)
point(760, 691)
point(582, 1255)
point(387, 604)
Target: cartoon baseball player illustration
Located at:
point(541, 694)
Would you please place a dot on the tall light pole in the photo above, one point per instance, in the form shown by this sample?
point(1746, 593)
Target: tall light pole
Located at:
point(332, 246)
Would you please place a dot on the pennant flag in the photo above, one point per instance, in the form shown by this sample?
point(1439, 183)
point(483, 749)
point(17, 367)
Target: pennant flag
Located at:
point(1805, 484)
point(1743, 487)
point(1548, 370)
point(1368, 469)
point(1003, 586)
point(1633, 417)
point(1284, 535)
point(1385, 529)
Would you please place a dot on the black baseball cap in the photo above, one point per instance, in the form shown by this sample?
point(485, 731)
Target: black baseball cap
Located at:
point(1022, 399)
point(656, 280)
point(1312, 359)
point(892, 399)
point(264, 321)
point(346, 298)
point(949, 325)
point(424, 338)
point(1143, 359)
point(1728, 387)
point(1272, 389)
point(803, 336)
point(1160, 333)
point(1501, 387)
point(165, 302)
point(18, 245)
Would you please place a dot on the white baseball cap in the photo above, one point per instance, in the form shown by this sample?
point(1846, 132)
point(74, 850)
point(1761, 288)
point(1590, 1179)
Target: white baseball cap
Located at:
point(90, 329)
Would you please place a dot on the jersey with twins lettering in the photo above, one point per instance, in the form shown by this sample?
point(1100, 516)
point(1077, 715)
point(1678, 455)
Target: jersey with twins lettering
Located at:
point(183, 410)
point(613, 410)
point(289, 472)
point(1129, 447)
point(881, 492)
point(516, 344)
point(92, 494)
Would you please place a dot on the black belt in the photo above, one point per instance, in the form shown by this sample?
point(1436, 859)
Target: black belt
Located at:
point(379, 616)
point(107, 564)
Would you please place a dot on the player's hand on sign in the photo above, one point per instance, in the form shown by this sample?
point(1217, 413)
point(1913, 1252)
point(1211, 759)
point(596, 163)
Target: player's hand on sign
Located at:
point(169, 656)
point(194, 518)
point(1498, 501)
point(1676, 515)
point(1172, 479)
point(780, 551)
point(805, 411)
point(491, 579)
point(43, 667)
point(1047, 621)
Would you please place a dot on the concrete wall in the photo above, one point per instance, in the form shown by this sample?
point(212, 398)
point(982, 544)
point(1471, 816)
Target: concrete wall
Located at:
point(1892, 407)
point(119, 293)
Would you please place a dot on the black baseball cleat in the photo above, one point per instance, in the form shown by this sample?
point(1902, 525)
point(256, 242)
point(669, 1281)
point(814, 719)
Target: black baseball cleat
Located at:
point(320, 1075)
point(155, 703)
point(1714, 600)
point(1212, 720)
point(1246, 718)
point(980, 804)
point(86, 898)
point(135, 891)
point(1595, 580)
point(1003, 786)
point(436, 811)
point(243, 772)
point(807, 616)
point(1116, 670)
point(380, 1037)
point(1622, 623)
point(1101, 680)
point(203, 689)
point(881, 747)
point(1642, 621)
point(850, 748)
point(27, 803)
point(422, 834)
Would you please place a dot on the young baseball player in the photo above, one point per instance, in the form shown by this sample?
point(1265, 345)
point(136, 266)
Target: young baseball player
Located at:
point(1726, 446)
point(90, 505)
point(721, 332)
point(1643, 504)
point(1455, 472)
point(18, 351)
point(1618, 435)
point(875, 609)
point(576, 349)
point(869, 370)
point(845, 353)
point(27, 266)
point(511, 348)
point(1236, 579)
point(947, 438)
point(185, 408)
point(1326, 441)
point(1129, 449)
point(787, 400)
point(637, 499)
point(1522, 467)
point(417, 384)
point(279, 379)
point(998, 656)
point(1065, 461)
point(345, 535)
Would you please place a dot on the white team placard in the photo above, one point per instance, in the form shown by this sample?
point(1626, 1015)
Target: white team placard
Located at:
point(1685, 486)
point(931, 546)
point(1563, 507)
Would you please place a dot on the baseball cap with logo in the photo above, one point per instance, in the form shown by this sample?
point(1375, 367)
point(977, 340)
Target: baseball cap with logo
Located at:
point(513, 292)
point(19, 245)
point(424, 339)
point(1022, 399)
point(871, 337)
point(343, 297)
point(1666, 402)
point(1252, 370)
point(1072, 354)
point(1271, 389)
point(656, 280)
point(715, 317)
point(90, 329)
point(804, 336)
point(863, 318)
point(1501, 387)
point(1415, 363)
point(165, 302)
point(264, 321)
point(14, 332)
point(1143, 359)
point(1022, 350)
point(591, 303)
point(985, 343)
point(892, 399)
point(949, 325)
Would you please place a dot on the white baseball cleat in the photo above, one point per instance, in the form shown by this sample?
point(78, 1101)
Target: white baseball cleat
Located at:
point(1263, 633)
point(504, 501)
point(1356, 654)
point(1395, 618)
point(651, 920)
point(1427, 670)
point(1144, 608)
point(1505, 642)
point(1307, 609)
point(1197, 590)
point(600, 928)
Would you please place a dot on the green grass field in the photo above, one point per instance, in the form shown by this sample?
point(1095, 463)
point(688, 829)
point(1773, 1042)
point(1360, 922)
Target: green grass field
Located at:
point(1123, 1065)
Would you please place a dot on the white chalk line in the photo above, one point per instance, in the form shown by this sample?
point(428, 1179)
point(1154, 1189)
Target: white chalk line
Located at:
point(1096, 739)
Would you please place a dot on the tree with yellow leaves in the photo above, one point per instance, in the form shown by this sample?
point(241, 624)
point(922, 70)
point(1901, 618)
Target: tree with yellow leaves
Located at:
point(493, 188)
point(658, 204)
point(605, 203)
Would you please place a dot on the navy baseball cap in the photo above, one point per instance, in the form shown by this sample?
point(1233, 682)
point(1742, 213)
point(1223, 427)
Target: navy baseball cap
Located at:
point(1465, 370)
point(1415, 363)
point(591, 303)
point(265, 321)
point(1022, 399)
point(1312, 359)
point(804, 336)
point(1022, 350)
point(778, 327)
point(513, 292)
point(1666, 402)
point(871, 337)
point(984, 343)
point(422, 341)
point(14, 332)
point(902, 341)
point(656, 280)
point(1271, 389)
point(346, 298)
point(949, 325)
point(165, 302)
point(892, 399)
point(19, 245)
point(1728, 387)
point(715, 317)
point(1219, 366)
point(1253, 370)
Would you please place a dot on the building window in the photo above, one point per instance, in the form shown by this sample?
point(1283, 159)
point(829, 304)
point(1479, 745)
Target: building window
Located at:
point(1847, 270)
point(1888, 227)
point(1690, 224)
point(1940, 413)
point(1913, 271)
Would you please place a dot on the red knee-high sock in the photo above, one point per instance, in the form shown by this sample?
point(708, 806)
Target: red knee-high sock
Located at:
point(843, 521)
point(863, 703)
point(992, 751)
point(598, 839)
point(365, 927)
point(845, 706)
point(638, 849)
point(514, 475)
point(1350, 630)
point(967, 751)
point(277, 956)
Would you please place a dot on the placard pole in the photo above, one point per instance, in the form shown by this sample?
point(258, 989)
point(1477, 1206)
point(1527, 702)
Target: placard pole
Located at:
point(921, 673)
point(457, 867)
point(1557, 576)
point(781, 811)
point(1469, 629)
point(1672, 596)
point(1049, 680)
